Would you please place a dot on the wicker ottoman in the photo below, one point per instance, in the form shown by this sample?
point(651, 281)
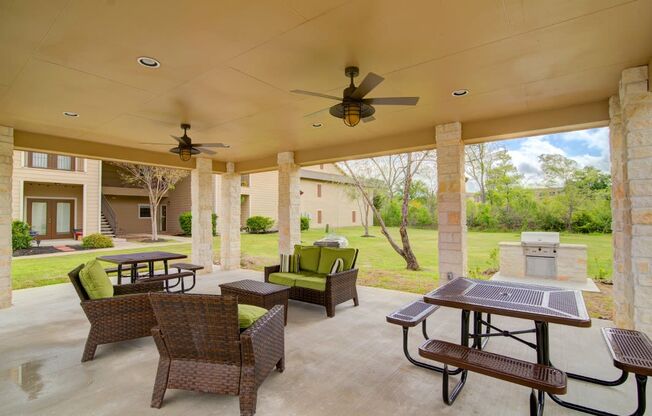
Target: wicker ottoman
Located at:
point(253, 292)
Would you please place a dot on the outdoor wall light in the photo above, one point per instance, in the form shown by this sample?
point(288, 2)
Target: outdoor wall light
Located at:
point(352, 112)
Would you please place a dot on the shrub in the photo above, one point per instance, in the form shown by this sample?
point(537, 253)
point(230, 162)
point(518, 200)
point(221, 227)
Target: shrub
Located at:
point(305, 223)
point(20, 238)
point(185, 222)
point(259, 224)
point(97, 241)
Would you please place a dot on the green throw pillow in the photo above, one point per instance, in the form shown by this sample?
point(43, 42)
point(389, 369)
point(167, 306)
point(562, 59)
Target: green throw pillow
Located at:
point(308, 257)
point(330, 254)
point(95, 280)
point(248, 314)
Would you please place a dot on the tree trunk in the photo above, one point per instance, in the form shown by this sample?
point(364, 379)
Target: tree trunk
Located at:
point(408, 254)
point(153, 210)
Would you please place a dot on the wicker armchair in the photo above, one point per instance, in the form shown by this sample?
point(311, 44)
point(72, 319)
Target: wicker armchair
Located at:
point(126, 316)
point(202, 349)
point(340, 287)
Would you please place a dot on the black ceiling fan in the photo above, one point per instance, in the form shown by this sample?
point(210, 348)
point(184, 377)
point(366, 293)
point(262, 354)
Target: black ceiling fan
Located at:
point(353, 106)
point(187, 148)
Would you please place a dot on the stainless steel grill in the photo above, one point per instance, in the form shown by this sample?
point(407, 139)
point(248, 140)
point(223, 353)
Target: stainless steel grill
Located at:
point(540, 252)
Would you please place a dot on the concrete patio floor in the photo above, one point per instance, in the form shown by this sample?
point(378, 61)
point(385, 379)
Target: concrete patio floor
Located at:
point(351, 364)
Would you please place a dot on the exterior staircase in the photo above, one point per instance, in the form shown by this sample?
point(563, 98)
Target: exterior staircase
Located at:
point(105, 227)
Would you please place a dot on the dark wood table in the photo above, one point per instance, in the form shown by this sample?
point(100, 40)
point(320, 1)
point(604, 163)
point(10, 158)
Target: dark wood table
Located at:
point(541, 304)
point(132, 260)
point(263, 294)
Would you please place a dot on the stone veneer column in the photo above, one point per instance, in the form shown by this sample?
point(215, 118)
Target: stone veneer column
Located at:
point(289, 203)
point(631, 168)
point(451, 204)
point(6, 172)
point(202, 192)
point(229, 220)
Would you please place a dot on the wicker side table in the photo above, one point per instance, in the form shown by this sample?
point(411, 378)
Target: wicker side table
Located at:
point(253, 292)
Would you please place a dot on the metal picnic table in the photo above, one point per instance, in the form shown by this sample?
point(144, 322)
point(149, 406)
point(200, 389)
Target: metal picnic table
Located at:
point(132, 260)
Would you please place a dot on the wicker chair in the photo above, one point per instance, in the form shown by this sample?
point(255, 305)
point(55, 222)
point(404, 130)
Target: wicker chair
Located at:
point(340, 287)
point(126, 316)
point(202, 349)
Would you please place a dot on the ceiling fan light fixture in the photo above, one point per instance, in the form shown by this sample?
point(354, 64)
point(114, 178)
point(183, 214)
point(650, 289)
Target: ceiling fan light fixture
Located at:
point(185, 154)
point(352, 113)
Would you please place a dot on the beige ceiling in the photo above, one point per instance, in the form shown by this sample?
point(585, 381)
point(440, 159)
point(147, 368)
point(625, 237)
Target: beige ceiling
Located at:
point(228, 66)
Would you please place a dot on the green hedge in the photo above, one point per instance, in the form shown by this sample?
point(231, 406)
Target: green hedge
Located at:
point(185, 222)
point(97, 241)
point(259, 224)
point(20, 238)
point(305, 223)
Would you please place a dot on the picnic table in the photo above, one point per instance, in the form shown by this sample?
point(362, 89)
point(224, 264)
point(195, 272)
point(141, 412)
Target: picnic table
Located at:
point(132, 260)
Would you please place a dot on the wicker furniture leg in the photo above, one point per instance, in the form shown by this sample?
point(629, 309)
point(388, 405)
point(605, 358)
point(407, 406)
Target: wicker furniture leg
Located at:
point(248, 391)
point(280, 365)
point(91, 345)
point(163, 371)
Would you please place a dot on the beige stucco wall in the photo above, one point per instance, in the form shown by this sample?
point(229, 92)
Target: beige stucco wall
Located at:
point(178, 201)
point(126, 212)
point(89, 179)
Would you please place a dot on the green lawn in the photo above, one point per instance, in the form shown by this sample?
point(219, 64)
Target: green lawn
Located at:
point(379, 265)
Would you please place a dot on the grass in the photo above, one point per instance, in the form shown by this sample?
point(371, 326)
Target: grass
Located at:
point(379, 265)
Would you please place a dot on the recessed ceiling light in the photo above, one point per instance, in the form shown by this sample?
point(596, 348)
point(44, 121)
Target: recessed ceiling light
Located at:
point(460, 93)
point(70, 114)
point(317, 125)
point(148, 62)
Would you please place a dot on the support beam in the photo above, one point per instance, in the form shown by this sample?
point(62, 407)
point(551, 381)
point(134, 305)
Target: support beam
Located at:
point(229, 219)
point(202, 191)
point(289, 203)
point(451, 202)
point(6, 172)
point(631, 168)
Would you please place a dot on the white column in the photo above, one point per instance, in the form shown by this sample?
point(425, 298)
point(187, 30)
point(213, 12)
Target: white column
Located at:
point(451, 203)
point(6, 172)
point(289, 203)
point(631, 159)
point(229, 219)
point(202, 191)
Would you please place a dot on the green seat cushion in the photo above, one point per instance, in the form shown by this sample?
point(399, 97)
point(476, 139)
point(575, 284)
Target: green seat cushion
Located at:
point(285, 279)
point(248, 314)
point(308, 257)
point(330, 254)
point(95, 281)
point(315, 282)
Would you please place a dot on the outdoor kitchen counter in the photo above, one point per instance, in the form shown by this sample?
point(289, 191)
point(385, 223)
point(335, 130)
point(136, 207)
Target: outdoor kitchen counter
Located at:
point(571, 261)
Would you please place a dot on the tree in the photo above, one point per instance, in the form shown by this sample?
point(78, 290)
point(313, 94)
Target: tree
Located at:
point(364, 207)
point(396, 173)
point(559, 170)
point(480, 159)
point(156, 180)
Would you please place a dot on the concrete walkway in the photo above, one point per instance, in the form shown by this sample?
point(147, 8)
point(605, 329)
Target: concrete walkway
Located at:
point(351, 364)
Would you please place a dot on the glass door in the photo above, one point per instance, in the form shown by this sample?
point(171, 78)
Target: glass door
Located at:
point(51, 218)
point(63, 218)
point(37, 217)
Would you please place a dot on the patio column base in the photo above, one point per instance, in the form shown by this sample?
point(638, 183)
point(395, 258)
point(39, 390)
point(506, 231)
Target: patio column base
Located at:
point(451, 203)
point(229, 220)
point(6, 172)
point(289, 203)
point(203, 200)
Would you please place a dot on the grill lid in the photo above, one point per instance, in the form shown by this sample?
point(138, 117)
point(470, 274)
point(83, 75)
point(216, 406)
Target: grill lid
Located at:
point(541, 239)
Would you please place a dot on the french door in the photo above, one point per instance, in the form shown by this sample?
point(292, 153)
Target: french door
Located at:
point(51, 218)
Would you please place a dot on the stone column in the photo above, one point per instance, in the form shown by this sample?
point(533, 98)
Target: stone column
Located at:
point(451, 203)
point(289, 203)
point(6, 172)
point(631, 158)
point(202, 191)
point(229, 219)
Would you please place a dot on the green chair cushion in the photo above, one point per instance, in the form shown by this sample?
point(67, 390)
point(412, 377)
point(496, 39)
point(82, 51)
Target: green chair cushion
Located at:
point(248, 314)
point(95, 281)
point(311, 282)
point(308, 257)
point(285, 279)
point(330, 254)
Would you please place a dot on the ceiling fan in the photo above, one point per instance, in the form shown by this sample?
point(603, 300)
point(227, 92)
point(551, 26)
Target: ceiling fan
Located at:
point(186, 148)
point(353, 106)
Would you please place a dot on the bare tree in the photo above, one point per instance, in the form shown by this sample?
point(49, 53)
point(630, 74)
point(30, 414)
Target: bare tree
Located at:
point(397, 173)
point(480, 158)
point(156, 180)
point(354, 193)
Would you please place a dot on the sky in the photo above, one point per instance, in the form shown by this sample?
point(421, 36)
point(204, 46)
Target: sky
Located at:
point(586, 147)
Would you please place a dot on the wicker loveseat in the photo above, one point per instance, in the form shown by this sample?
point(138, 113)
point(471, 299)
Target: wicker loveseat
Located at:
point(307, 284)
point(126, 315)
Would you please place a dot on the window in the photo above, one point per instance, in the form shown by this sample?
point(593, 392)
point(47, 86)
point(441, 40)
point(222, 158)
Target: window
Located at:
point(39, 160)
point(144, 211)
point(318, 190)
point(64, 162)
point(353, 217)
point(318, 216)
point(51, 161)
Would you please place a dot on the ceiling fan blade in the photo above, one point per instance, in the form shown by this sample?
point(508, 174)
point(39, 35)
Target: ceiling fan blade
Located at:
point(221, 145)
point(178, 139)
point(205, 150)
point(156, 144)
point(368, 119)
point(316, 94)
point(369, 82)
point(392, 101)
point(317, 112)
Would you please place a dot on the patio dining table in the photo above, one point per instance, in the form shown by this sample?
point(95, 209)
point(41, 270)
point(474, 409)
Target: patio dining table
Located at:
point(132, 260)
point(542, 304)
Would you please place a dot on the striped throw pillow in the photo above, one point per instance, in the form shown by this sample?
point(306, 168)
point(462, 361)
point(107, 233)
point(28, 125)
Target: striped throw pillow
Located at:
point(289, 263)
point(338, 265)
